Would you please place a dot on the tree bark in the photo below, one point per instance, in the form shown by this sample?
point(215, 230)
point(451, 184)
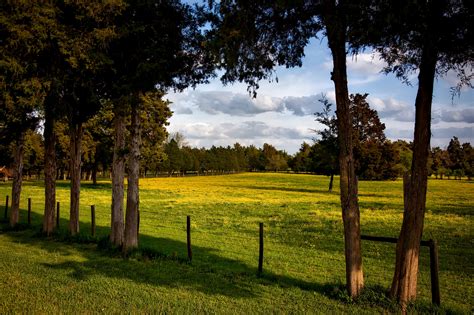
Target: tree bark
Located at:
point(17, 180)
point(331, 181)
point(49, 171)
point(75, 138)
point(118, 176)
point(408, 247)
point(131, 217)
point(336, 34)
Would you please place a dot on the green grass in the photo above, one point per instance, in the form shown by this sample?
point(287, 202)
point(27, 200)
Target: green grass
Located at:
point(304, 261)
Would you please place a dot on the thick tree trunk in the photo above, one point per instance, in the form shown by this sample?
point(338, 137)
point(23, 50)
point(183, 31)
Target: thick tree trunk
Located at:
point(49, 172)
point(336, 33)
point(75, 137)
point(118, 175)
point(17, 180)
point(408, 246)
point(131, 217)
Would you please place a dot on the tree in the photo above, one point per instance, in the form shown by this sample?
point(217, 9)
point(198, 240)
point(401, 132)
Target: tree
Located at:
point(274, 160)
point(89, 28)
point(23, 88)
point(250, 40)
point(326, 150)
point(174, 158)
point(375, 156)
point(301, 162)
point(100, 130)
point(155, 117)
point(34, 154)
point(431, 37)
point(456, 156)
point(158, 45)
point(468, 162)
point(62, 45)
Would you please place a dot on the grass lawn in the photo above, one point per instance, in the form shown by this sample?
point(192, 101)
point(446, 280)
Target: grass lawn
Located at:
point(304, 260)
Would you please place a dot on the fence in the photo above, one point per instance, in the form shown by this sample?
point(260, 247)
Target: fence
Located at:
point(434, 260)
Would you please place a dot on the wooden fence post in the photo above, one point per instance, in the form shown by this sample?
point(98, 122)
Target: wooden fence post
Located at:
point(6, 209)
point(57, 215)
point(188, 232)
point(260, 253)
point(29, 211)
point(434, 269)
point(93, 220)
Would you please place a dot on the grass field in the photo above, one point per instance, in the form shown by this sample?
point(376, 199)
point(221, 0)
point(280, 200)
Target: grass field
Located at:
point(304, 261)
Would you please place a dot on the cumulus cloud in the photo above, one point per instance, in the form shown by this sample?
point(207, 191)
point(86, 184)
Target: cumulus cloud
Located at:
point(392, 108)
point(436, 134)
point(235, 104)
point(303, 105)
point(451, 78)
point(362, 68)
point(242, 105)
point(395, 134)
point(365, 64)
point(180, 110)
point(239, 104)
point(464, 133)
point(461, 115)
point(245, 130)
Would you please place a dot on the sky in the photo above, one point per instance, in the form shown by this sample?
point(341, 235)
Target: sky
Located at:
point(282, 114)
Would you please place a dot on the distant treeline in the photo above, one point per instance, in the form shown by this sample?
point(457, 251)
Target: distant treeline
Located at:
point(173, 157)
point(389, 160)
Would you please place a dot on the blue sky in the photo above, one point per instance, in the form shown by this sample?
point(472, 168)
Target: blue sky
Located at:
point(283, 112)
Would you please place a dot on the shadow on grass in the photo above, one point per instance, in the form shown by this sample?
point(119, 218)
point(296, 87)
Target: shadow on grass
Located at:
point(67, 184)
point(209, 272)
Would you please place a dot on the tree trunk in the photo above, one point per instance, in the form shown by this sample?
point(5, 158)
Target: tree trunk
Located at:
point(118, 176)
point(17, 179)
point(49, 171)
point(131, 217)
point(331, 181)
point(94, 174)
point(408, 246)
point(75, 137)
point(336, 33)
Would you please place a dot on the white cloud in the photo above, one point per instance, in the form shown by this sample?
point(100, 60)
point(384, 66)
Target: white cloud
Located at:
point(303, 105)
point(362, 68)
point(460, 115)
point(365, 64)
point(392, 108)
point(243, 130)
point(235, 104)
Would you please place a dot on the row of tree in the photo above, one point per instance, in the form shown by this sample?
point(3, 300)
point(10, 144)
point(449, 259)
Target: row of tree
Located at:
point(65, 60)
point(172, 156)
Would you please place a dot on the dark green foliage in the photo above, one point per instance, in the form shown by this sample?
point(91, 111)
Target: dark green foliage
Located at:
point(325, 151)
point(158, 45)
point(301, 161)
point(181, 159)
point(375, 157)
point(250, 39)
point(23, 28)
point(457, 160)
point(399, 31)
